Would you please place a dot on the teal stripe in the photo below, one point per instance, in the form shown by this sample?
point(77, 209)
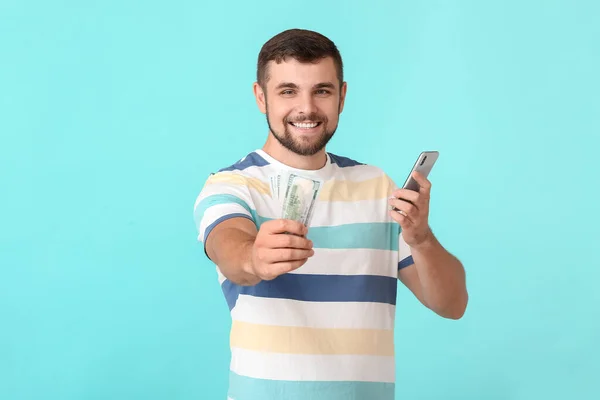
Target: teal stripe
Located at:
point(218, 199)
point(244, 388)
point(368, 235)
point(374, 235)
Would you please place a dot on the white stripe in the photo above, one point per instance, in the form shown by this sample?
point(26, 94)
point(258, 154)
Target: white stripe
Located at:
point(220, 277)
point(215, 212)
point(403, 249)
point(351, 262)
point(300, 367)
point(341, 315)
point(339, 213)
point(358, 173)
point(354, 173)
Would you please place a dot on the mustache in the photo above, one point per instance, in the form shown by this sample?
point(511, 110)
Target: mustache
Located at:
point(309, 117)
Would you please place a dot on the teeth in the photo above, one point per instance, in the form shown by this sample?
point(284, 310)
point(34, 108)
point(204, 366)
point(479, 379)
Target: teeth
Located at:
point(305, 125)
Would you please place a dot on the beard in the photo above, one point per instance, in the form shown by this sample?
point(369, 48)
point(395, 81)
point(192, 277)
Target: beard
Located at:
point(300, 145)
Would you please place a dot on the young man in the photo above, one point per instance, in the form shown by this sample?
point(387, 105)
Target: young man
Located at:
point(313, 307)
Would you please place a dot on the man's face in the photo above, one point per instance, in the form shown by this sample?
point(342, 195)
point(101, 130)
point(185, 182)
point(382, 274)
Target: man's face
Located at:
point(302, 102)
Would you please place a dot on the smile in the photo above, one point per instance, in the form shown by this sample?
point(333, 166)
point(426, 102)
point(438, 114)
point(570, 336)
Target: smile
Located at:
point(305, 125)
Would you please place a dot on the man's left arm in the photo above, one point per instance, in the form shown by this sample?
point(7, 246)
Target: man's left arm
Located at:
point(436, 278)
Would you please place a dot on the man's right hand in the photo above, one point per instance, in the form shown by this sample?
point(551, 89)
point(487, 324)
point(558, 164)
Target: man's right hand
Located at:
point(280, 246)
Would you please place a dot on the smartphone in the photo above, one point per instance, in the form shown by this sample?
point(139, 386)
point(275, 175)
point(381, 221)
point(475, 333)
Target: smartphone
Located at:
point(423, 165)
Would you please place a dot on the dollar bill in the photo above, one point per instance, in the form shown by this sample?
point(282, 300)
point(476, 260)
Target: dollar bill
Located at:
point(274, 193)
point(299, 198)
point(275, 184)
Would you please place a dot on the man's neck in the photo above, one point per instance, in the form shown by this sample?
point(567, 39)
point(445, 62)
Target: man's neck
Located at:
point(273, 148)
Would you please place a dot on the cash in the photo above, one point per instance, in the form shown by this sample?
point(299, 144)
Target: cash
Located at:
point(296, 195)
point(275, 185)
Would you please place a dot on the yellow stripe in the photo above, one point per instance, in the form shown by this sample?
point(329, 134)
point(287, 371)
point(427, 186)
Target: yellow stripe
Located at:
point(301, 340)
point(240, 180)
point(371, 189)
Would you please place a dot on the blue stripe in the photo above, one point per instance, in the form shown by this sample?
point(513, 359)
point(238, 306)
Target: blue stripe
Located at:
point(245, 388)
point(218, 221)
point(343, 162)
point(308, 287)
point(221, 219)
point(251, 160)
point(406, 262)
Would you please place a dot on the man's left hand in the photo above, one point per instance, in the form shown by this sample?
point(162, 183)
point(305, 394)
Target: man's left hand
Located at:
point(412, 211)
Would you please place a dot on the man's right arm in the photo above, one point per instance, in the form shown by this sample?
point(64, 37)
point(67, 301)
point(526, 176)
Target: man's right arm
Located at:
point(229, 246)
point(246, 256)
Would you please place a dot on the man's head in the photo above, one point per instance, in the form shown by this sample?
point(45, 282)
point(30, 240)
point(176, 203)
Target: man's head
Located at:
point(300, 87)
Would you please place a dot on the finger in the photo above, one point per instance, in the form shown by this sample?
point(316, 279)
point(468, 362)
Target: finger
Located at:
point(278, 226)
point(405, 205)
point(284, 267)
point(424, 183)
point(286, 255)
point(406, 194)
point(410, 211)
point(282, 241)
point(401, 219)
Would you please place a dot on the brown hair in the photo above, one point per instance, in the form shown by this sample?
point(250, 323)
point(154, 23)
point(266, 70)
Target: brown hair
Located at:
point(301, 44)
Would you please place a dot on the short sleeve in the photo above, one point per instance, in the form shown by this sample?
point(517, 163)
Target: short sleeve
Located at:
point(225, 195)
point(405, 258)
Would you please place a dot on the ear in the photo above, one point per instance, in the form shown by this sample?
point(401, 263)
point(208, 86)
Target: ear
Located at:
point(260, 98)
point(343, 90)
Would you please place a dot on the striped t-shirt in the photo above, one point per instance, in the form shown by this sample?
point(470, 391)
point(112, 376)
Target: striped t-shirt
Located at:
point(325, 330)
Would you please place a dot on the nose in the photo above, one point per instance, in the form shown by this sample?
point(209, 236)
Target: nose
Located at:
point(307, 104)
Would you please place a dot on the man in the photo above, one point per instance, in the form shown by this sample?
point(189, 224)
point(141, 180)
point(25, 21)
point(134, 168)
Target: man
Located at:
point(313, 307)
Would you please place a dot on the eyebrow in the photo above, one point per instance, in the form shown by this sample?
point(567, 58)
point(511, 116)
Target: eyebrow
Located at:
point(294, 86)
point(325, 85)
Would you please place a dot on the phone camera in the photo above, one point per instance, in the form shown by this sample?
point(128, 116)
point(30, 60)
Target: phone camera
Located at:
point(422, 162)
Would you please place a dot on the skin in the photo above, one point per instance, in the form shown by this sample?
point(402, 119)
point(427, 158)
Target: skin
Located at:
point(307, 92)
point(311, 93)
point(436, 278)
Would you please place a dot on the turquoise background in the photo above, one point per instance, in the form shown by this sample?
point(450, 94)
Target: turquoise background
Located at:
point(112, 114)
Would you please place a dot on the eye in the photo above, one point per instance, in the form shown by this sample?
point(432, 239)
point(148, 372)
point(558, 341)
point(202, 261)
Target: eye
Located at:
point(323, 92)
point(287, 92)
